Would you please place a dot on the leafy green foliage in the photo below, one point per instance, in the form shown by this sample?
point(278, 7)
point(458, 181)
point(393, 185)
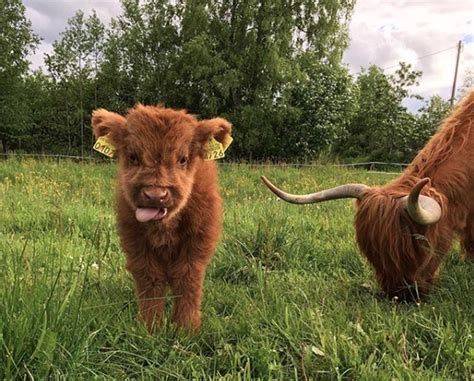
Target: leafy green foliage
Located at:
point(73, 66)
point(429, 120)
point(327, 99)
point(468, 83)
point(382, 128)
point(17, 40)
point(273, 68)
point(236, 59)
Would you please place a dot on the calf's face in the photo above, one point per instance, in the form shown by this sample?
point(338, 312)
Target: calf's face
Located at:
point(159, 152)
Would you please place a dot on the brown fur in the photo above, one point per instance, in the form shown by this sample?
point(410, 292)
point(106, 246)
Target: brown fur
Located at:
point(402, 252)
point(174, 251)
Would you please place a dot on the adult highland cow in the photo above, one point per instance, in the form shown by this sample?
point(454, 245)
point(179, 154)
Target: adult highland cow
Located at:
point(406, 227)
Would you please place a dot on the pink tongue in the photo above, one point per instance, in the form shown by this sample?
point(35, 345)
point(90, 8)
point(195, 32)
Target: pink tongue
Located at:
point(147, 214)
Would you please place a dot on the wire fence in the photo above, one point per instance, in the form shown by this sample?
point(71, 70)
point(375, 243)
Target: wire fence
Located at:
point(371, 166)
point(47, 156)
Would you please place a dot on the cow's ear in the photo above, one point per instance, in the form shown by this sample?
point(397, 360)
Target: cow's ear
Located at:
point(111, 124)
point(218, 128)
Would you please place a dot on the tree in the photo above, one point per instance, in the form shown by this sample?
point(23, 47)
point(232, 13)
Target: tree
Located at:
point(382, 126)
point(40, 132)
point(327, 101)
point(322, 27)
point(260, 43)
point(271, 67)
point(112, 91)
point(17, 40)
point(429, 119)
point(73, 66)
point(229, 57)
point(146, 41)
point(467, 85)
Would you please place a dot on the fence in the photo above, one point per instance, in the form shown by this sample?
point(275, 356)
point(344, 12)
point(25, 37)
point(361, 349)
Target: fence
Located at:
point(371, 166)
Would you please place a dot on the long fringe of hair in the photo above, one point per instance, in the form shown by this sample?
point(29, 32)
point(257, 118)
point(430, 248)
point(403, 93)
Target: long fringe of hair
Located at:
point(400, 250)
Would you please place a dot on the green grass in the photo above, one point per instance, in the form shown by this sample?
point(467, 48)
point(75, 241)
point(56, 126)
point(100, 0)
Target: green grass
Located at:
point(287, 295)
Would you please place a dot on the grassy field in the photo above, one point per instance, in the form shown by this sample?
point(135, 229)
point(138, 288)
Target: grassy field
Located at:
point(287, 294)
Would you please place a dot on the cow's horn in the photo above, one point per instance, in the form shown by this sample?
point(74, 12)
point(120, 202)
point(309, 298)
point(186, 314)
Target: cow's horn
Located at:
point(342, 191)
point(422, 209)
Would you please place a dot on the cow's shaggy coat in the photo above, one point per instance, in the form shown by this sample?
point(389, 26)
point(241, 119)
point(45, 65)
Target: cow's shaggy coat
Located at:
point(168, 205)
point(403, 252)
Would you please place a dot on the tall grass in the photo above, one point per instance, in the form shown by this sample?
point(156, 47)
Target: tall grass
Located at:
point(287, 295)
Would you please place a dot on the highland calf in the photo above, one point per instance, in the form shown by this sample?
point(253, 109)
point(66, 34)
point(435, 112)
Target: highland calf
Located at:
point(168, 205)
point(405, 228)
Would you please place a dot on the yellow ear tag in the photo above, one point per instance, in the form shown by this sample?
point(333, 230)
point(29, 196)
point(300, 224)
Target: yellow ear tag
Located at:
point(215, 150)
point(227, 142)
point(103, 146)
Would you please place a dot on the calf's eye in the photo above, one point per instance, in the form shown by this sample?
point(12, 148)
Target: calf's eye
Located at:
point(183, 161)
point(133, 159)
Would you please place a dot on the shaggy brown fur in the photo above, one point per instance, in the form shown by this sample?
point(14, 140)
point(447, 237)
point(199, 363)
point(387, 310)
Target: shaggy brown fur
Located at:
point(164, 182)
point(402, 252)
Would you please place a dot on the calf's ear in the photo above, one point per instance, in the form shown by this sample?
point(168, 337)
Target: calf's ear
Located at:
point(218, 128)
point(109, 123)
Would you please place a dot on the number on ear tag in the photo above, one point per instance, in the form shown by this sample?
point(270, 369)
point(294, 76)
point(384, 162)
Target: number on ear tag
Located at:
point(105, 147)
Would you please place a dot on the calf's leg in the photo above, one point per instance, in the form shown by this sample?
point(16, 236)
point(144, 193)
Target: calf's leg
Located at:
point(186, 282)
point(150, 288)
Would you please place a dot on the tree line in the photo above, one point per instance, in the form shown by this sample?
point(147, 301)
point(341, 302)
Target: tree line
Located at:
point(273, 68)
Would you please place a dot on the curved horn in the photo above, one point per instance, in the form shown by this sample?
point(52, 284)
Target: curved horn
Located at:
point(422, 209)
point(342, 191)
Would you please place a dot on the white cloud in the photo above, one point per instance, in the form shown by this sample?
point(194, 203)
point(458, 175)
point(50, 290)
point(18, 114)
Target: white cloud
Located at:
point(386, 32)
point(37, 59)
point(49, 19)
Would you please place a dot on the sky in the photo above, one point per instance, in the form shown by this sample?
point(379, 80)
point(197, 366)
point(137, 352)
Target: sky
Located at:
point(382, 32)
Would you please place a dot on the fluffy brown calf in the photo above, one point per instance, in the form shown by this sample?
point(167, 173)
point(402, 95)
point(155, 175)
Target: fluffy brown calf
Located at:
point(168, 205)
point(405, 234)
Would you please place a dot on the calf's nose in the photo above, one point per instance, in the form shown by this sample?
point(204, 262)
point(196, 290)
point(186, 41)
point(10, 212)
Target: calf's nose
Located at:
point(155, 193)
